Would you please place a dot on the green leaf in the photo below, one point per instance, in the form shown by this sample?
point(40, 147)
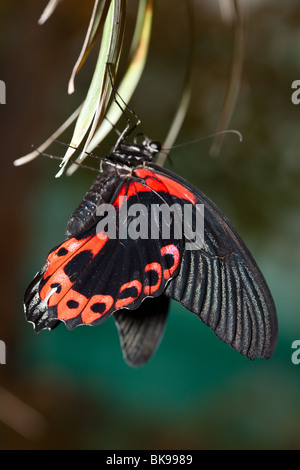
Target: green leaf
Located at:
point(95, 25)
point(130, 79)
point(95, 104)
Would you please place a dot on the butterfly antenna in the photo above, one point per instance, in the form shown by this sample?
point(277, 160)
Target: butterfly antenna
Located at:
point(168, 156)
point(228, 131)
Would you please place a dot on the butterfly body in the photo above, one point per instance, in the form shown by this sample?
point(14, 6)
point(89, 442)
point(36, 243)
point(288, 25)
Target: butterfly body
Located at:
point(94, 274)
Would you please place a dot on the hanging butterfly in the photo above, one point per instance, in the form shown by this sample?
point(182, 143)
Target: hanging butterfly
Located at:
point(93, 274)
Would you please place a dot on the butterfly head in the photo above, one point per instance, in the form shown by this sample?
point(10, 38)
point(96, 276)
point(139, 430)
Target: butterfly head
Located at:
point(137, 153)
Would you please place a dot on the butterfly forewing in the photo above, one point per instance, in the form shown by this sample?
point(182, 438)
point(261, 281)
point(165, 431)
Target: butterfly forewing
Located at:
point(91, 275)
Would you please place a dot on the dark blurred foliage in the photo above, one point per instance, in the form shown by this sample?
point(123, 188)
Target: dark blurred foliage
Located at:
point(72, 390)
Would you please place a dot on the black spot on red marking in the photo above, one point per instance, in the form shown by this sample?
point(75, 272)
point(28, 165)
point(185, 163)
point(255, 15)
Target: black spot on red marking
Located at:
point(169, 260)
point(129, 292)
point(62, 252)
point(98, 307)
point(57, 286)
point(72, 304)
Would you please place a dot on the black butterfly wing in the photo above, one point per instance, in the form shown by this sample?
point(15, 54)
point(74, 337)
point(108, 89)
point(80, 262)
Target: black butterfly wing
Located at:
point(141, 330)
point(36, 311)
point(222, 283)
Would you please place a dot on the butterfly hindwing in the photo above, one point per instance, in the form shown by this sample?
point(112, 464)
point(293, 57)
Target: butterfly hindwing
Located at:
point(141, 330)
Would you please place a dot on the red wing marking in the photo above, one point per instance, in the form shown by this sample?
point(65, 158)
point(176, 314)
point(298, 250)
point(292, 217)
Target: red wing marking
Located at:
point(177, 189)
point(70, 305)
point(149, 290)
point(57, 261)
point(143, 173)
point(63, 253)
point(171, 250)
point(121, 194)
point(62, 283)
point(128, 300)
point(159, 182)
point(128, 190)
point(135, 188)
point(88, 315)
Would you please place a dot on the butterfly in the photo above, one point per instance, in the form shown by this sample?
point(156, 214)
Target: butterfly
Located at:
point(129, 265)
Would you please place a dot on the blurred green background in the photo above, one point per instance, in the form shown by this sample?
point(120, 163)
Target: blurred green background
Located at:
point(72, 390)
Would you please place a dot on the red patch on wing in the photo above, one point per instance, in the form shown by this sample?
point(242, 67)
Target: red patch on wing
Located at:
point(128, 300)
point(128, 190)
point(90, 314)
point(159, 182)
point(171, 250)
point(70, 305)
point(149, 290)
point(59, 282)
